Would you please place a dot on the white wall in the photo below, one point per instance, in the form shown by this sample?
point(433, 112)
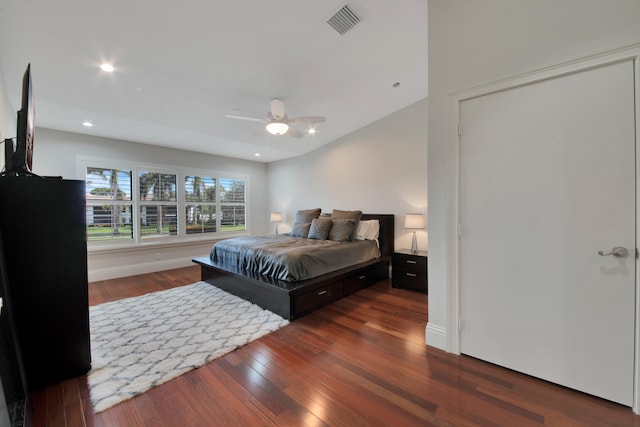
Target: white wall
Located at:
point(56, 153)
point(381, 168)
point(7, 116)
point(471, 43)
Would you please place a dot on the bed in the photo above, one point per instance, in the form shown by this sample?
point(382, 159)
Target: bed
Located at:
point(292, 294)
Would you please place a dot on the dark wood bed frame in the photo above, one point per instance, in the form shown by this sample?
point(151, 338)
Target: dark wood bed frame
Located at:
point(292, 300)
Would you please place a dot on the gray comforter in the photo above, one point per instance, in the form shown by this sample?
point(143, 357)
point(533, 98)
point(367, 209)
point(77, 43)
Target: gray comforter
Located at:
point(291, 258)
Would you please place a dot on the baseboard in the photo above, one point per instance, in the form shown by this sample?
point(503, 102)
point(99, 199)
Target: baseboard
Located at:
point(135, 269)
point(436, 336)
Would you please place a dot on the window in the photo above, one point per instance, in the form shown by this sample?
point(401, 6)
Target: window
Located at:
point(200, 209)
point(109, 204)
point(158, 204)
point(134, 204)
point(232, 205)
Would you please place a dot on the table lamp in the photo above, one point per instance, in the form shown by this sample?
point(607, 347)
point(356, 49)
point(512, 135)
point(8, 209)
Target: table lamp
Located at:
point(276, 217)
point(415, 222)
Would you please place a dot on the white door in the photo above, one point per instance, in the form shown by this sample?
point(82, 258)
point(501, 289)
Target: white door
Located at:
point(547, 180)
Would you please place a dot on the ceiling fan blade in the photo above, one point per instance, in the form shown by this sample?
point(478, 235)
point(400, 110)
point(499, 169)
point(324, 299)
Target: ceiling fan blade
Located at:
point(307, 120)
point(277, 109)
point(294, 132)
point(253, 119)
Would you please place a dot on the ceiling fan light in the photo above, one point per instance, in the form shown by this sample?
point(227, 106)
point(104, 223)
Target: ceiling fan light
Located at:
point(277, 128)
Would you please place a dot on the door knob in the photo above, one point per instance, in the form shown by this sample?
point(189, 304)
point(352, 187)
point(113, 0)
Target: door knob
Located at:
point(617, 251)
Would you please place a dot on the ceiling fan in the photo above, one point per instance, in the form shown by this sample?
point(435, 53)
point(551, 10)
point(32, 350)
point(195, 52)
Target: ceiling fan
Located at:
point(278, 123)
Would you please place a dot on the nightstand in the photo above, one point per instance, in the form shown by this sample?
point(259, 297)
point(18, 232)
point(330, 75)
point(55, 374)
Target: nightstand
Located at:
point(409, 270)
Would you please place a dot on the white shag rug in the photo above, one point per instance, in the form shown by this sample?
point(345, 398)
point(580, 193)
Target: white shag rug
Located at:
point(141, 342)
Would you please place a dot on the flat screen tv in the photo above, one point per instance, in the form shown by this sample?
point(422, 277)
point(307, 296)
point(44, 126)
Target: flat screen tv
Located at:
point(19, 157)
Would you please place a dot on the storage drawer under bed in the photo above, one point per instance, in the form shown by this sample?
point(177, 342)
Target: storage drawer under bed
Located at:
point(366, 277)
point(317, 297)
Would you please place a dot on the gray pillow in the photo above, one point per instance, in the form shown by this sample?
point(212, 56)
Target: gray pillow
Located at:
point(354, 215)
point(341, 230)
point(308, 215)
point(319, 229)
point(300, 229)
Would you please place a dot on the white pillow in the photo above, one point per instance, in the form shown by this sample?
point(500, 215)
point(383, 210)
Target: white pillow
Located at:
point(368, 230)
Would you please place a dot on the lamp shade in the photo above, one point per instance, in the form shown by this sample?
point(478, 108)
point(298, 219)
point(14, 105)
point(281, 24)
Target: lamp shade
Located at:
point(276, 217)
point(414, 221)
point(277, 128)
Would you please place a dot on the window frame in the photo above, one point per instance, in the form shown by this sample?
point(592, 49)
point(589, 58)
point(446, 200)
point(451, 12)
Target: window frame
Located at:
point(220, 203)
point(113, 202)
point(215, 204)
point(160, 204)
point(181, 203)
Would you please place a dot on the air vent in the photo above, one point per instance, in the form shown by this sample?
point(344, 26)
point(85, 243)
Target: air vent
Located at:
point(344, 20)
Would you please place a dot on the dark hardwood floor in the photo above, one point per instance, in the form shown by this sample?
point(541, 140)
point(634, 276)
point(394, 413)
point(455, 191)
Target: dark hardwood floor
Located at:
point(359, 362)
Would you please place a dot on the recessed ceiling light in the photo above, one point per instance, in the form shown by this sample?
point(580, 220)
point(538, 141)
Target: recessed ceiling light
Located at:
point(107, 67)
point(87, 124)
point(257, 154)
point(312, 131)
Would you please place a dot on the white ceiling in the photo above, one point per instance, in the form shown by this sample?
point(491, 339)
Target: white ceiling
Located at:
point(180, 66)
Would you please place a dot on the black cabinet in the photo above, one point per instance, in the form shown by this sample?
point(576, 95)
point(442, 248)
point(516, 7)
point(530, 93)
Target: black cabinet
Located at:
point(409, 270)
point(42, 223)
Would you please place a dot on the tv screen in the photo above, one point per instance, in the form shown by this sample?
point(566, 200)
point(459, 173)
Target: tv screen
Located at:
point(21, 160)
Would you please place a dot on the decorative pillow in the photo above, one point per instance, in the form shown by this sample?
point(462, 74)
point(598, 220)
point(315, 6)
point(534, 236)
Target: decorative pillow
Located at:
point(319, 229)
point(300, 229)
point(341, 230)
point(368, 230)
point(354, 215)
point(308, 215)
point(325, 215)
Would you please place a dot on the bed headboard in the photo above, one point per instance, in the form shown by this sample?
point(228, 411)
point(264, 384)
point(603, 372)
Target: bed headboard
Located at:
point(387, 231)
